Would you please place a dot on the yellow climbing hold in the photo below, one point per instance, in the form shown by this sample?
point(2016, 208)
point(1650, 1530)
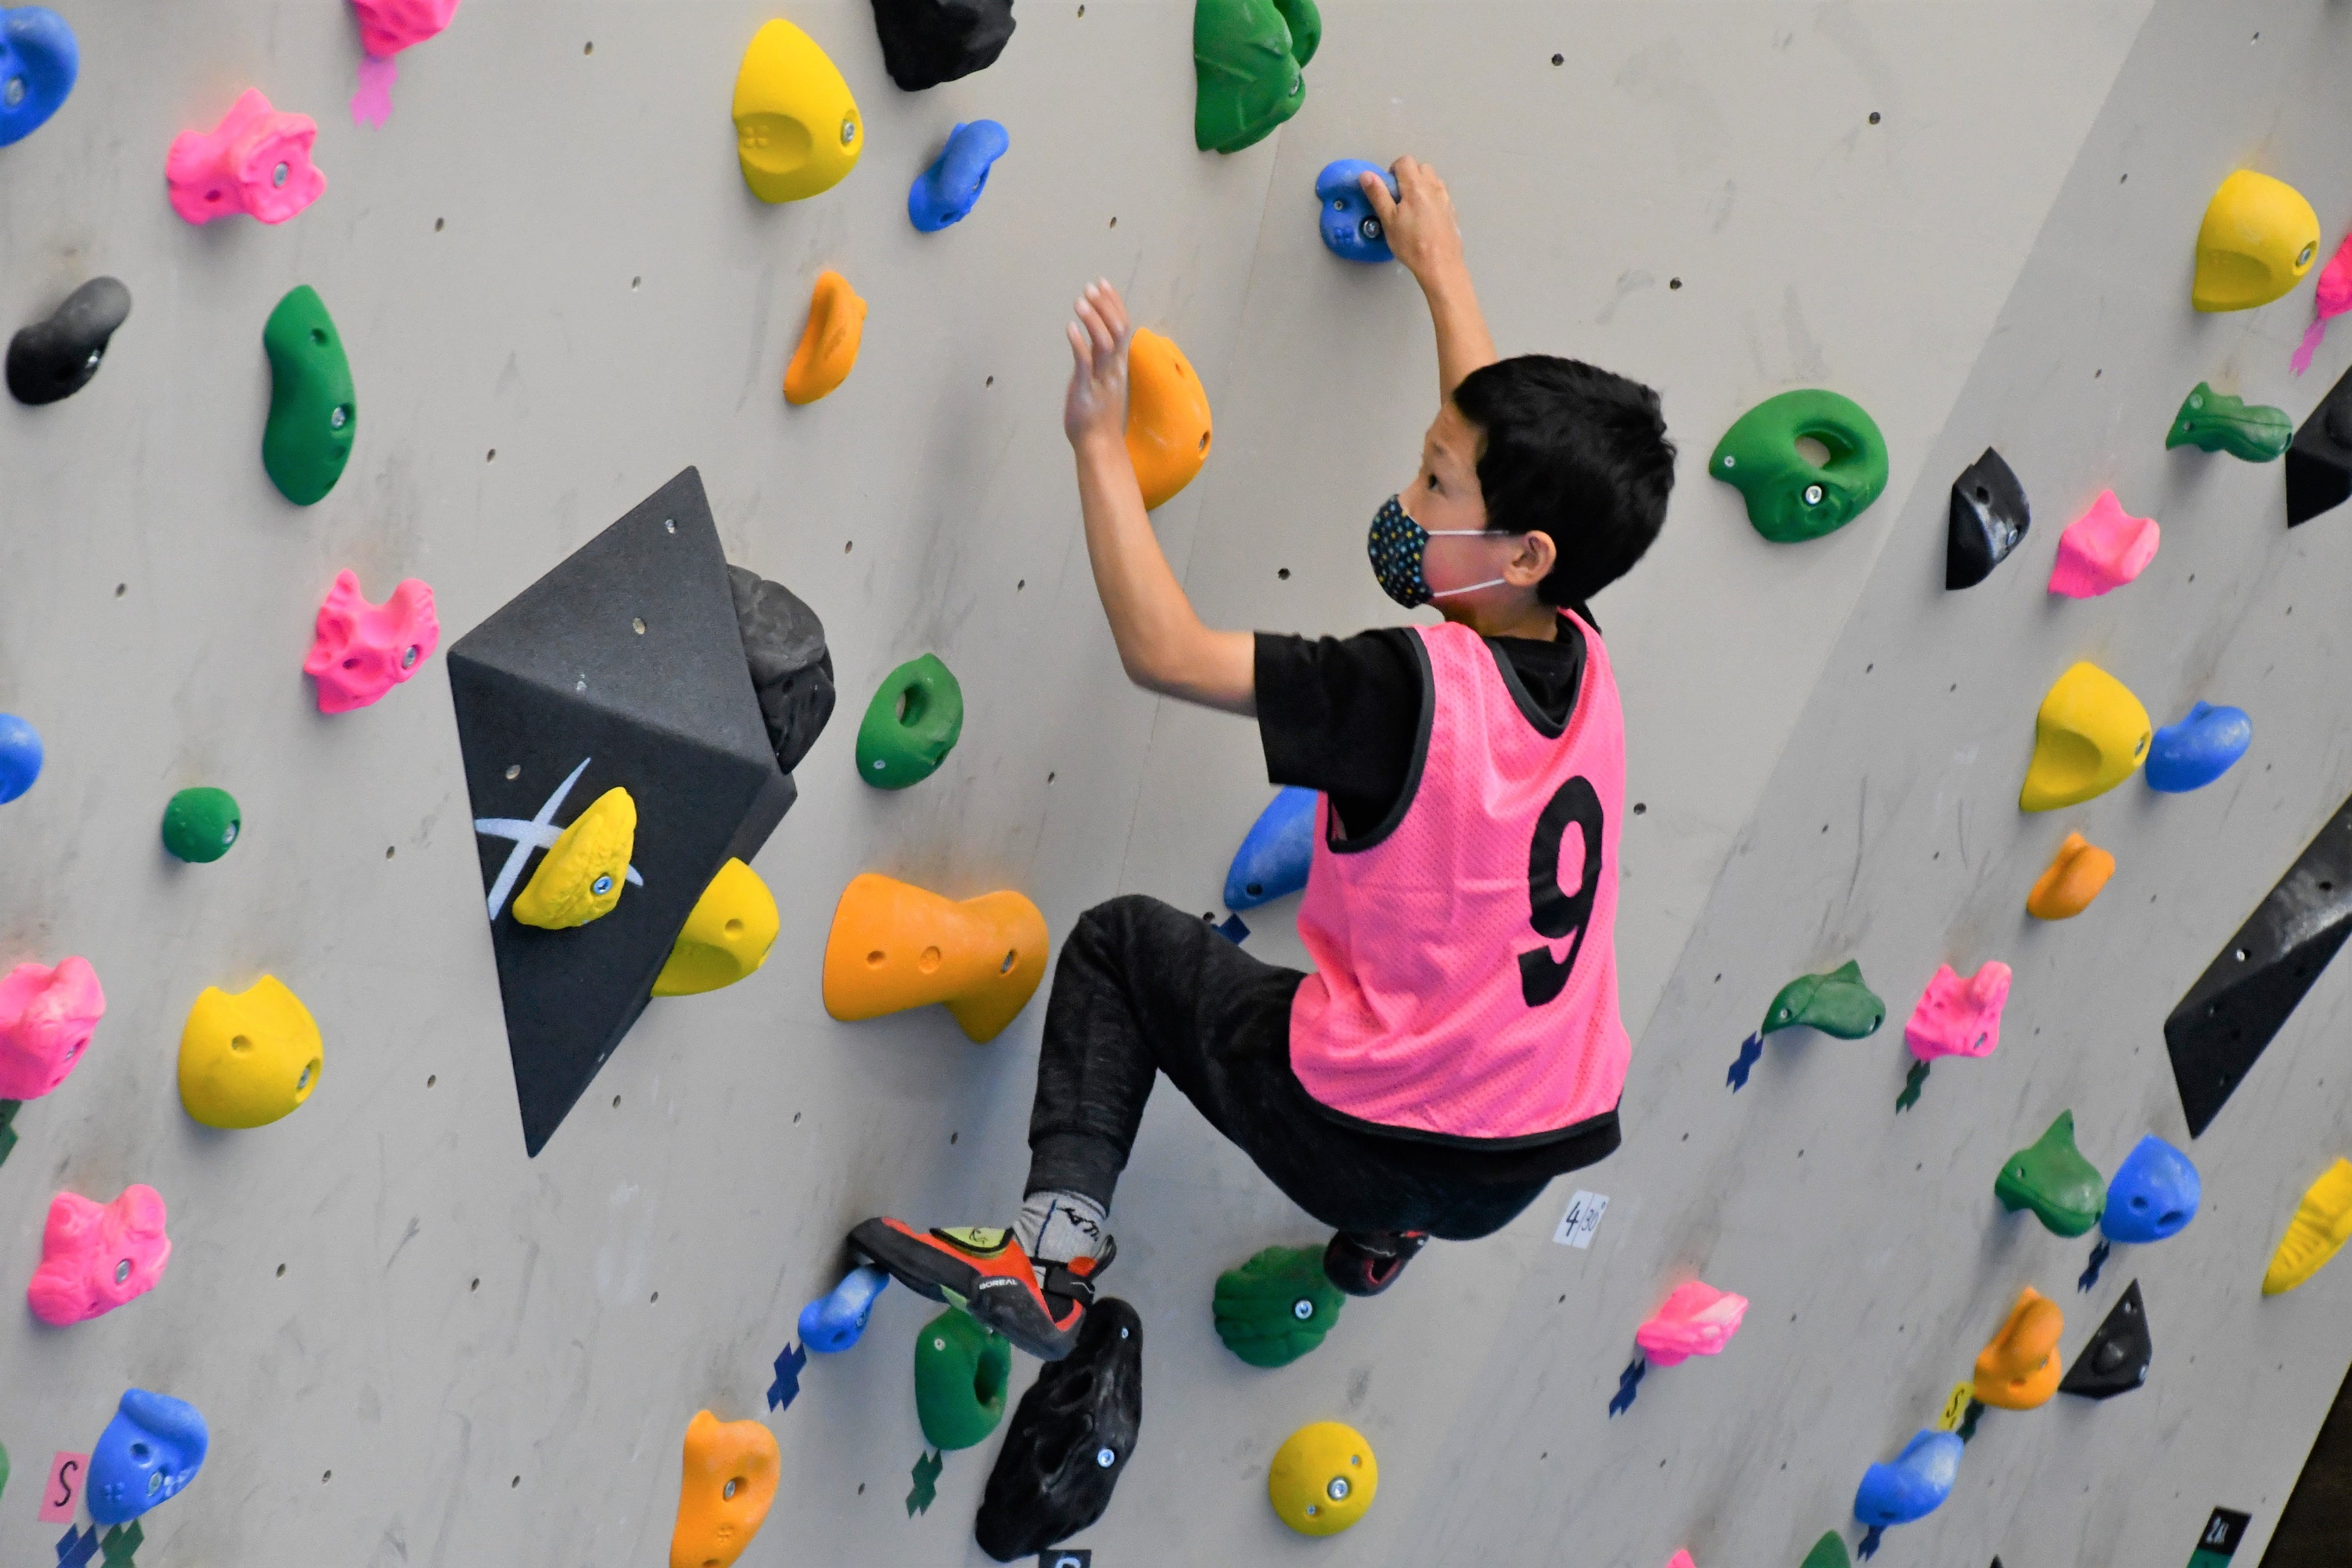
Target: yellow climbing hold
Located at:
point(828, 349)
point(1322, 1478)
point(579, 880)
point(2322, 1224)
point(796, 127)
point(1167, 430)
point(248, 1060)
point(2258, 239)
point(727, 936)
point(2089, 736)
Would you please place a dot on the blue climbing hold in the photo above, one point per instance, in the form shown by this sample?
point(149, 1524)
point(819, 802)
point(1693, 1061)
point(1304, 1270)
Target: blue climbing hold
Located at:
point(947, 191)
point(1350, 232)
point(148, 1453)
point(2153, 1195)
point(1272, 860)
point(1915, 1485)
point(832, 1321)
point(2199, 749)
point(39, 62)
point(20, 756)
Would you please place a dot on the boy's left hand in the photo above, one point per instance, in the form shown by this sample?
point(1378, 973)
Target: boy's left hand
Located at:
point(1095, 407)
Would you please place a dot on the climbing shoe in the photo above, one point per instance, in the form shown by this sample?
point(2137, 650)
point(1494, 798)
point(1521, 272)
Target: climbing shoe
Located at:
point(987, 1274)
point(1367, 1262)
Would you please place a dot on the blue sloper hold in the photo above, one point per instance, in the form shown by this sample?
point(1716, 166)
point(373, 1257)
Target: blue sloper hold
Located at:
point(150, 1450)
point(1350, 232)
point(1915, 1485)
point(2153, 1195)
point(1627, 1382)
point(77, 1547)
point(947, 191)
point(787, 1386)
point(2199, 749)
point(832, 1321)
point(20, 756)
point(39, 62)
point(1273, 859)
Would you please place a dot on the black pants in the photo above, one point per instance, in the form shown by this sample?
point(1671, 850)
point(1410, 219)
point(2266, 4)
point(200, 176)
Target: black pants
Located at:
point(1143, 988)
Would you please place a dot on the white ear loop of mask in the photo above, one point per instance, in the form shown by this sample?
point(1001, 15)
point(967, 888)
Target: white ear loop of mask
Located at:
point(1466, 533)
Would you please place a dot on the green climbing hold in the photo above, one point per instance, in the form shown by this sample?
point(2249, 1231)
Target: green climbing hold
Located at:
point(961, 1372)
point(4, 1467)
point(201, 824)
point(1276, 1307)
point(1790, 497)
point(1306, 28)
point(911, 725)
point(1836, 1003)
point(2211, 421)
point(312, 414)
point(1829, 1551)
point(2051, 1178)
point(1245, 58)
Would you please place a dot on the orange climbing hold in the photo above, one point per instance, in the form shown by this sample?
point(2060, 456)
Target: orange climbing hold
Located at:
point(2074, 878)
point(828, 351)
point(2019, 1369)
point(731, 1469)
point(1168, 432)
point(896, 946)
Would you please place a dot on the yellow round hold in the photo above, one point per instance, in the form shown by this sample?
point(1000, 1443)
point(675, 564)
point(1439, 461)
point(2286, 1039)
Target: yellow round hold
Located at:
point(248, 1060)
point(579, 880)
point(2089, 737)
point(796, 127)
point(1322, 1478)
point(2258, 239)
point(726, 938)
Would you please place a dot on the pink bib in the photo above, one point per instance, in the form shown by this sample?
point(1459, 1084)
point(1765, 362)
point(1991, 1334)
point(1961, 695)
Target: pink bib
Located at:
point(1466, 978)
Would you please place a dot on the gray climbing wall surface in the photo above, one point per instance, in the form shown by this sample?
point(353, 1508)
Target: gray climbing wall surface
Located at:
point(416, 1346)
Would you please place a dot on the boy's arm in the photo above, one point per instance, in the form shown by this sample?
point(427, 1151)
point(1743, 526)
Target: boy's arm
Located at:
point(1162, 645)
point(1423, 233)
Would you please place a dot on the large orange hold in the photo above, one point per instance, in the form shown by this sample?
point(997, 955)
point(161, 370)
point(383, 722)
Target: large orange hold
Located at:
point(731, 1469)
point(896, 946)
point(1168, 432)
point(2076, 873)
point(2019, 1369)
point(828, 351)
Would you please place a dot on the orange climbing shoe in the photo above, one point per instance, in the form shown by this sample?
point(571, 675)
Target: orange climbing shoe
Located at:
point(987, 1274)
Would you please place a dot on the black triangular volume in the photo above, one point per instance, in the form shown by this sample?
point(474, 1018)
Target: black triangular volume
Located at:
point(927, 42)
point(2116, 1358)
point(1989, 516)
point(2246, 996)
point(2319, 464)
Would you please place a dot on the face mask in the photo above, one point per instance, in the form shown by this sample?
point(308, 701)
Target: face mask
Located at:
point(1396, 544)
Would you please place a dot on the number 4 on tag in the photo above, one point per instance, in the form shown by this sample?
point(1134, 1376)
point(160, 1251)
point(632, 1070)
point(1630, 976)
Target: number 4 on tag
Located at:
point(1582, 1218)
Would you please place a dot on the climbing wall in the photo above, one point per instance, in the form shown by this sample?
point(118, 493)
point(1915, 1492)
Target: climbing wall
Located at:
point(414, 1345)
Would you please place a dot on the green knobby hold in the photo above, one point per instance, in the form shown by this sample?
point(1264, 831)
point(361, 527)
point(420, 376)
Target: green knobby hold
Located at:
point(1790, 497)
point(925, 1477)
point(1837, 1003)
point(1245, 59)
point(201, 824)
point(312, 415)
point(962, 1371)
point(1276, 1307)
point(1829, 1551)
point(2065, 1191)
point(911, 725)
point(2212, 421)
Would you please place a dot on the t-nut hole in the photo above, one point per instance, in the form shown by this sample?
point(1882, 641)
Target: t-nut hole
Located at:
point(408, 657)
point(1205, 440)
point(1303, 1309)
point(154, 1482)
point(310, 1075)
point(240, 1043)
point(1106, 1457)
point(278, 175)
point(637, 625)
point(319, 336)
point(728, 1491)
point(229, 834)
point(1338, 1490)
point(14, 93)
point(1813, 494)
point(930, 961)
point(1011, 956)
point(122, 1271)
point(338, 418)
point(514, 770)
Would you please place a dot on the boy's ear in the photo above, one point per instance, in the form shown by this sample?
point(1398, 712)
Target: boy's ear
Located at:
point(1533, 561)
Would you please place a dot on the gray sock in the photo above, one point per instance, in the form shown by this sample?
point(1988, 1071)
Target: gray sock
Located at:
point(1058, 1226)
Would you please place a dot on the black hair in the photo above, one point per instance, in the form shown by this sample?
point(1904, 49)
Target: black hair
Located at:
point(1575, 452)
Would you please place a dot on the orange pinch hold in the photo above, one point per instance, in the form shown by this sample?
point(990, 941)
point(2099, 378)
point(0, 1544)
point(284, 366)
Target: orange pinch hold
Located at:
point(896, 946)
point(2019, 1369)
point(2074, 878)
point(1168, 432)
point(828, 351)
point(731, 1470)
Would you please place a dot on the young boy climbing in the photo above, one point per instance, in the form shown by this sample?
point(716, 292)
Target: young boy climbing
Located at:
point(1457, 1044)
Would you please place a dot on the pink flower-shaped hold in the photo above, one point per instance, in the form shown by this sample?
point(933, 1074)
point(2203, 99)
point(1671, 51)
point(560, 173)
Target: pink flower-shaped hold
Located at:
point(2102, 549)
point(361, 650)
point(388, 26)
point(46, 1016)
point(96, 1256)
point(1681, 1560)
point(1958, 1017)
point(257, 161)
point(1697, 1320)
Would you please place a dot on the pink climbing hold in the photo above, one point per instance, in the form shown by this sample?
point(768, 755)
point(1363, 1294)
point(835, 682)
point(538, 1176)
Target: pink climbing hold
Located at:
point(2102, 549)
point(2333, 299)
point(1697, 1320)
point(257, 161)
point(96, 1256)
point(1958, 1017)
point(388, 26)
point(361, 650)
point(1681, 1560)
point(46, 1016)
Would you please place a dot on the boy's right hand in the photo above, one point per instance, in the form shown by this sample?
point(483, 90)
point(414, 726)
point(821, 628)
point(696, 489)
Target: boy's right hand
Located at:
point(1419, 221)
point(1094, 412)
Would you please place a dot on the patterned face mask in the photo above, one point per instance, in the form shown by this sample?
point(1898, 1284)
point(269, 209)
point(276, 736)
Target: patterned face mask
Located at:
point(1396, 544)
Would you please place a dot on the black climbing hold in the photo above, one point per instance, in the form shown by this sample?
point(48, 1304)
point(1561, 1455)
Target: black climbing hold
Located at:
point(2219, 1029)
point(2116, 1360)
point(927, 42)
point(2319, 463)
point(55, 358)
point(1069, 1439)
point(1989, 516)
point(792, 671)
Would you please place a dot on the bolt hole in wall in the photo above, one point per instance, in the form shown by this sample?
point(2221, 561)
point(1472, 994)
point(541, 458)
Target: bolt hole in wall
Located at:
point(121, 589)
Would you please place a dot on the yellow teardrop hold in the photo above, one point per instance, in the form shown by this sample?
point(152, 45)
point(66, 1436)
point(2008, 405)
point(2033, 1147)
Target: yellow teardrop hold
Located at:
point(729, 1482)
point(895, 946)
point(248, 1060)
point(2089, 736)
point(2258, 239)
point(828, 348)
point(797, 130)
point(1322, 1478)
point(2322, 1224)
point(581, 879)
point(1168, 427)
point(726, 938)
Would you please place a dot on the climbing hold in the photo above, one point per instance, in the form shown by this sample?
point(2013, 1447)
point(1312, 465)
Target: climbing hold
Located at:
point(2074, 877)
point(927, 42)
point(1246, 55)
point(797, 132)
point(1681, 1560)
point(148, 1454)
point(1273, 860)
point(1276, 1307)
point(2018, 1369)
point(895, 946)
point(2102, 549)
point(1956, 1017)
point(962, 1371)
point(359, 651)
point(832, 1322)
point(248, 1060)
point(1168, 424)
point(2212, 421)
point(729, 1479)
point(1829, 1551)
point(1350, 230)
point(726, 938)
point(313, 413)
point(55, 357)
point(2319, 461)
point(2154, 1193)
point(792, 672)
point(20, 756)
point(256, 161)
point(911, 725)
point(95, 1257)
point(946, 192)
point(2116, 1358)
point(1306, 23)
point(2089, 735)
point(828, 346)
point(2199, 749)
point(1697, 1319)
point(200, 825)
point(388, 26)
point(2258, 239)
point(2331, 298)
point(1323, 1477)
point(2051, 1178)
point(1837, 1003)
point(2321, 1226)
point(39, 62)
point(579, 880)
point(1069, 1439)
point(46, 1017)
point(1989, 516)
point(1789, 498)
point(1915, 1485)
